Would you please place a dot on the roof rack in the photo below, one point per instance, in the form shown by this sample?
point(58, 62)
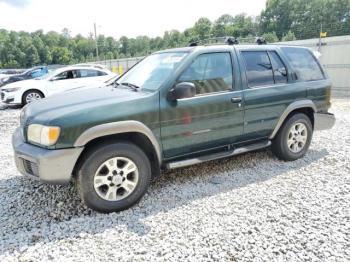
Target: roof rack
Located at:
point(260, 40)
point(227, 40)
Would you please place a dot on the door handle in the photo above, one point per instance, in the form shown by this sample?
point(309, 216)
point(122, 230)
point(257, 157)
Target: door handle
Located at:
point(236, 99)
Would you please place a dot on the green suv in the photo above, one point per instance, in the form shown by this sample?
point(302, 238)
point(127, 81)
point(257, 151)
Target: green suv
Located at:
point(175, 108)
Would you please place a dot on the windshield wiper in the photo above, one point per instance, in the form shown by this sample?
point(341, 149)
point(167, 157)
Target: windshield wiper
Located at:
point(133, 86)
point(114, 83)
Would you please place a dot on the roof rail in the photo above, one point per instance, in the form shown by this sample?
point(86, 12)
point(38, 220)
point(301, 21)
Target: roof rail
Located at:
point(228, 40)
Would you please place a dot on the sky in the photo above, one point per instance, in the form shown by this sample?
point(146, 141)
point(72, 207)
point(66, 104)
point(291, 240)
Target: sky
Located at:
point(117, 18)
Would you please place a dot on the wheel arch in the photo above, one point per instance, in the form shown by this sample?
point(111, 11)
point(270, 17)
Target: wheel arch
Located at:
point(32, 89)
point(306, 107)
point(130, 131)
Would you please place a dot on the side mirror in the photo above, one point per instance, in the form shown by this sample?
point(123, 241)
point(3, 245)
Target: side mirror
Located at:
point(283, 71)
point(182, 90)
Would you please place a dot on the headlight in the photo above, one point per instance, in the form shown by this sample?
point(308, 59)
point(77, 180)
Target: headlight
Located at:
point(5, 79)
point(10, 89)
point(43, 135)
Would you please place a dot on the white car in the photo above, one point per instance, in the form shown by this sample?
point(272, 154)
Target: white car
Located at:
point(61, 80)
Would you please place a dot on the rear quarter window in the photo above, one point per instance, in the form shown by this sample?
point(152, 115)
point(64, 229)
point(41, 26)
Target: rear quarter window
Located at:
point(304, 64)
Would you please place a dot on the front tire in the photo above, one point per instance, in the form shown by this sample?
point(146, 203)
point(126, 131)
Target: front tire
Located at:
point(31, 96)
point(293, 139)
point(113, 177)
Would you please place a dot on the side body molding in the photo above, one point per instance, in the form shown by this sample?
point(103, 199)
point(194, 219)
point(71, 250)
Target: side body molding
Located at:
point(295, 105)
point(118, 128)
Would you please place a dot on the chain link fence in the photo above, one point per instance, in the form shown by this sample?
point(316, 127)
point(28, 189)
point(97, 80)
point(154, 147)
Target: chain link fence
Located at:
point(119, 66)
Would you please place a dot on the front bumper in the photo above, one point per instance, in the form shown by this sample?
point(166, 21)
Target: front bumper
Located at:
point(50, 166)
point(324, 121)
point(8, 98)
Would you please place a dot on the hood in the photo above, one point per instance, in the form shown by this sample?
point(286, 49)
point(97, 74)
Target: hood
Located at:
point(82, 102)
point(22, 83)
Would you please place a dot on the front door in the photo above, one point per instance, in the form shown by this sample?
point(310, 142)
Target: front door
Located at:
point(63, 82)
point(211, 119)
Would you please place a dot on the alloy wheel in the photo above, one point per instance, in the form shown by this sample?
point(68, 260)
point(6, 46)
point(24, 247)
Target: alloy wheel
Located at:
point(297, 137)
point(32, 97)
point(116, 178)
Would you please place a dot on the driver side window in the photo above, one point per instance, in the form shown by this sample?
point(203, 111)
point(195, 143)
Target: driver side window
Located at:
point(70, 74)
point(210, 73)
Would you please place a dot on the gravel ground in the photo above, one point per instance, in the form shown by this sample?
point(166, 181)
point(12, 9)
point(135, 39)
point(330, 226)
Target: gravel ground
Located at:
point(247, 208)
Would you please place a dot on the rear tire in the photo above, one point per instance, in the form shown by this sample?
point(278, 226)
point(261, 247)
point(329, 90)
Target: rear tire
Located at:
point(293, 139)
point(31, 96)
point(113, 177)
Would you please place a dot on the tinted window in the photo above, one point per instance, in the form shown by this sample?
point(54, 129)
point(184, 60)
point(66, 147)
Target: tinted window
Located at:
point(304, 64)
point(100, 73)
point(66, 75)
point(90, 73)
point(258, 68)
point(210, 73)
point(279, 69)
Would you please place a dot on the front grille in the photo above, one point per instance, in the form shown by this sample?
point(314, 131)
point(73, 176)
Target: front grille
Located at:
point(30, 167)
point(2, 96)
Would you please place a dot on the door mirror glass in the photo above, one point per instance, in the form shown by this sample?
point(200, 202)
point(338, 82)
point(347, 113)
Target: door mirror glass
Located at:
point(182, 90)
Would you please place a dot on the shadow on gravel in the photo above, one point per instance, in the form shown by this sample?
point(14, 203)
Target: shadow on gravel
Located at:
point(4, 106)
point(37, 213)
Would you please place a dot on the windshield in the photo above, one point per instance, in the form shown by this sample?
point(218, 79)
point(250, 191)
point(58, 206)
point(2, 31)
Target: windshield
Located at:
point(152, 71)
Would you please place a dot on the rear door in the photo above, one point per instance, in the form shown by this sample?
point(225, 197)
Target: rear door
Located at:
point(268, 90)
point(309, 73)
point(211, 119)
point(90, 78)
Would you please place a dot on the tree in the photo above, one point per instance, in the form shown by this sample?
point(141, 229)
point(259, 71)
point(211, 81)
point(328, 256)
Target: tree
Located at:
point(32, 57)
point(202, 27)
point(61, 55)
point(220, 25)
point(271, 37)
point(289, 36)
point(304, 18)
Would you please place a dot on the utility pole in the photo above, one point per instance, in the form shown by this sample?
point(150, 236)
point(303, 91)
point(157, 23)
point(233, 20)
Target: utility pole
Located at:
point(319, 39)
point(97, 58)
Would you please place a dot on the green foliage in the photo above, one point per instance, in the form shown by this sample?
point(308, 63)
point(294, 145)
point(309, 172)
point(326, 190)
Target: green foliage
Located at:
point(61, 55)
point(239, 26)
point(304, 18)
point(271, 37)
point(289, 36)
point(201, 28)
point(281, 19)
